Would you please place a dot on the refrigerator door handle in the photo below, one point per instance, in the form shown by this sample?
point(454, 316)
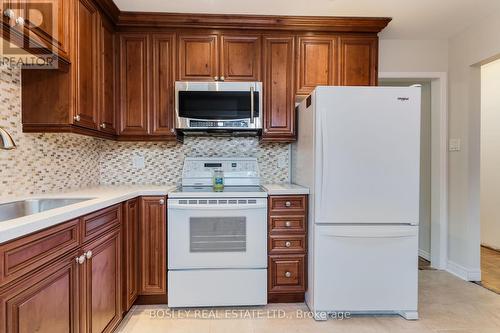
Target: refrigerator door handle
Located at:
point(375, 233)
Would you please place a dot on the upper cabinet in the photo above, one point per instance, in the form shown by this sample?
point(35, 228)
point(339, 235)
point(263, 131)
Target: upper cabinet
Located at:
point(358, 61)
point(198, 60)
point(278, 85)
point(81, 99)
point(147, 67)
point(225, 57)
point(317, 63)
point(121, 84)
point(240, 58)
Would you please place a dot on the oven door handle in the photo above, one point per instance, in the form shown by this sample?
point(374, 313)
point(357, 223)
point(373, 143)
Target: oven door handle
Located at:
point(216, 206)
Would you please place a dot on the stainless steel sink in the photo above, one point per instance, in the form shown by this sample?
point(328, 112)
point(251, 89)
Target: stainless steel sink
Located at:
point(12, 210)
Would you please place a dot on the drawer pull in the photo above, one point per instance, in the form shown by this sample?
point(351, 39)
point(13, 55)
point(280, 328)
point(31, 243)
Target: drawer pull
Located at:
point(288, 244)
point(88, 254)
point(288, 204)
point(288, 224)
point(288, 274)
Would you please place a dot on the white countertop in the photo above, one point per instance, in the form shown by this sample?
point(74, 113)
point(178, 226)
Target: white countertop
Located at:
point(103, 196)
point(285, 189)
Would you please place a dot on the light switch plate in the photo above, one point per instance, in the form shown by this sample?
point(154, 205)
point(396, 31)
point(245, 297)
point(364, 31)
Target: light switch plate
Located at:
point(138, 161)
point(455, 145)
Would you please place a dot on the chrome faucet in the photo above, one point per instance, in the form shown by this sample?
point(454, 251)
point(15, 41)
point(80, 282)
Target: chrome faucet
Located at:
point(6, 141)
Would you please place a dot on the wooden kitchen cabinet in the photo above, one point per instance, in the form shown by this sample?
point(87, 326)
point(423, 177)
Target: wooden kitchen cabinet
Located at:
point(86, 65)
point(317, 62)
point(79, 100)
point(101, 284)
point(287, 248)
point(279, 91)
point(240, 58)
point(134, 84)
point(163, 79)
point(153, 246)
point(358, 61)
point(198, 57)
point(45, 302)
point(130, 269)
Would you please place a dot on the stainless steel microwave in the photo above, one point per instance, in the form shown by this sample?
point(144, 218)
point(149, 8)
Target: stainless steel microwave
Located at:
point(218, 107)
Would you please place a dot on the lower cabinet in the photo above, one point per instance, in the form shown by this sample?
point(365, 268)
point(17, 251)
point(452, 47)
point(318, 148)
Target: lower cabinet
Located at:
point(45, 302)
point(153, 247)
point(101, 284)
point(130, 275)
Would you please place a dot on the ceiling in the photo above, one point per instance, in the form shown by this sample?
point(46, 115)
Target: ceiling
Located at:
point(412, 19)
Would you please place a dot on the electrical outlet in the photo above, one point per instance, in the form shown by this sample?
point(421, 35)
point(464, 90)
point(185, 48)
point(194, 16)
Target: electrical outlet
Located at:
point(138, 161)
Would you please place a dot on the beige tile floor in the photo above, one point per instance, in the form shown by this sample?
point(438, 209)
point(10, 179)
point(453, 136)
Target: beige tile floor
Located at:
point(447, 305)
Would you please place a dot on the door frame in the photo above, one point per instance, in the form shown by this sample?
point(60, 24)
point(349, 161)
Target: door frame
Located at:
point(439, 160)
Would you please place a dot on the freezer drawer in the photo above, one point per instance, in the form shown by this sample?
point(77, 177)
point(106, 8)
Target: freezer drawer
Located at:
point(366, 268)
point(217, 287)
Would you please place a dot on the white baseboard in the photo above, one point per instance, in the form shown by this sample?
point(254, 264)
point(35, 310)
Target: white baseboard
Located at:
point(463, 272)
point(424, 254)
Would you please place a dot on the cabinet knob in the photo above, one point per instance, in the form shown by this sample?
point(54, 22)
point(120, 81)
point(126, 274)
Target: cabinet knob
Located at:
point(162, 201)
point(88, 254)
point(20, 21)
point(288, 224)
point(222, 78)
point(288, 274)
point(288, 244)
point(216, 78)
point(9, 13)
point(288, 204)
point(80, 260)
point(103, 125)
point(77, 117)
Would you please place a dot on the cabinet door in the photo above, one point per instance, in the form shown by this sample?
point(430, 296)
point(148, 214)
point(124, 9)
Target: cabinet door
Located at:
point(48, 22)
point(358, 61)
point(86, 62)
point(134, 64)
point(107, 110)
point(101, 284)
point(317, 60)
point(45, 302)
point(130, 253)
point(153, 246)
point(162, 107)
point(279, 112)
point(240, 58)
point(198, 59)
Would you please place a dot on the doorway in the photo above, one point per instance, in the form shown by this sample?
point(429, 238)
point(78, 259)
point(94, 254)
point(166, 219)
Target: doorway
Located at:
point(433, 238)
point(490, 177)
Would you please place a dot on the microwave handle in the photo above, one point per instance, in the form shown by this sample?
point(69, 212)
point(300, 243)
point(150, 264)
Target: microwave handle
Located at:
point(251, 106)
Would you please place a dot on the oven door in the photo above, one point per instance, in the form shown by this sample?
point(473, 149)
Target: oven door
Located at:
point(217, 235)
point(218, 105)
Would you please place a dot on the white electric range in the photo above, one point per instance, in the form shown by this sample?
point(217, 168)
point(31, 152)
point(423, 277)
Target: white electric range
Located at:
point(217, 241)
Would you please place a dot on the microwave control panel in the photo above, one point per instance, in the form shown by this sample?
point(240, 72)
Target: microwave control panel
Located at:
point(218, 124)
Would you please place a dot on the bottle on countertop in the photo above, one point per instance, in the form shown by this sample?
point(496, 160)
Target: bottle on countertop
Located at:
point(218, 180)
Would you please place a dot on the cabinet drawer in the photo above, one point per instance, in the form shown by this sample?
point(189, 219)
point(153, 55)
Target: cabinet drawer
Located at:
point(287, 273)
point(101, 221)
point(287, 244)
point(31, 252)
point(287, 204)
point(287, 224)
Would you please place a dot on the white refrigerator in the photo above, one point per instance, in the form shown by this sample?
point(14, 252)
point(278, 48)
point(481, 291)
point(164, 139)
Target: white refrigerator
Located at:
point(358, 150)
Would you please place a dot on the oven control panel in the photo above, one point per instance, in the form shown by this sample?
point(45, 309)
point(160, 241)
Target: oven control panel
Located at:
point(237, 171)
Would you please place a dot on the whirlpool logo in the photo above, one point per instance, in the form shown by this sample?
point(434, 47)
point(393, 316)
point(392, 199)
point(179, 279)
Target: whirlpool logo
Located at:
point(403, 99)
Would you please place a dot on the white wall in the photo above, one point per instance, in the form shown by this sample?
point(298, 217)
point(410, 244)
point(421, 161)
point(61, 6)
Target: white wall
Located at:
point(490, 155)
point(467, 50)
point(413, 55)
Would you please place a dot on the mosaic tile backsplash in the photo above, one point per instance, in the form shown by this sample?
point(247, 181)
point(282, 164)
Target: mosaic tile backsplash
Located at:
point(59, 162)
